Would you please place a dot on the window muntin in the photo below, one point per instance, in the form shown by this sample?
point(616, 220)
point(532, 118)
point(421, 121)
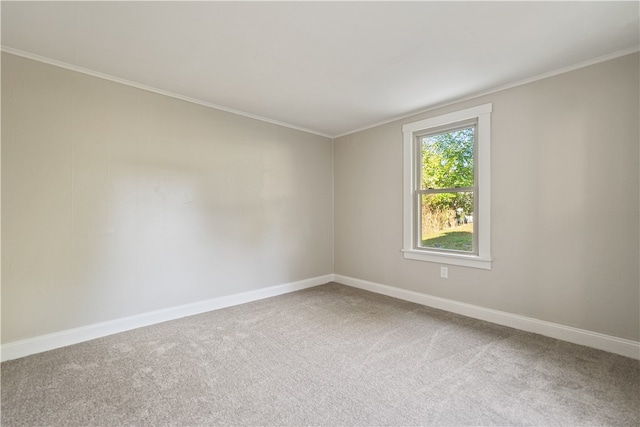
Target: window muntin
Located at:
point(419, 194)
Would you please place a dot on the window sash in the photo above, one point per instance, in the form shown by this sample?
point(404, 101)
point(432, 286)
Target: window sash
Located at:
point(417, 240)
point(418, 191)
point(452, 127)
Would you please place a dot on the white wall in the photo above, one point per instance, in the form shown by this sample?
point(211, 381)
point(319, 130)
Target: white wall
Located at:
point(117, 201)
point(565, 204)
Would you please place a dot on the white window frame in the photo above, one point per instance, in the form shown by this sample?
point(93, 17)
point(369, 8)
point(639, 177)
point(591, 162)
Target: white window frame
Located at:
point(482, 114)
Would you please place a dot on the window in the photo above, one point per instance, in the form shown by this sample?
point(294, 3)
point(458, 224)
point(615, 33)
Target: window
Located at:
point(447, 188)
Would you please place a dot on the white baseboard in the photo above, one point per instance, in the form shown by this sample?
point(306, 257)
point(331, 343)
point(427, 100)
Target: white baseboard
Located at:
point(26, 347)
point(17, 349)
point(604, 342)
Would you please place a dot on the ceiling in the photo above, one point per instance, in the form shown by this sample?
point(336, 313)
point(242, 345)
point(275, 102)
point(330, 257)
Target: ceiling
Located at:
point(327, 67)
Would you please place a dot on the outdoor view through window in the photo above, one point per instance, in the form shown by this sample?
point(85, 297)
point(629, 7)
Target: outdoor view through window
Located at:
point(446, 191)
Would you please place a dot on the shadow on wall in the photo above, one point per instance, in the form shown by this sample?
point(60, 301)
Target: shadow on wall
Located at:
point(173, 233)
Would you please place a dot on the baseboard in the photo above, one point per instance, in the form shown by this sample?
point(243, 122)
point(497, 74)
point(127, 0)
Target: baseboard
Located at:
point(604, 342)
point(26, 347)
point(17, 349)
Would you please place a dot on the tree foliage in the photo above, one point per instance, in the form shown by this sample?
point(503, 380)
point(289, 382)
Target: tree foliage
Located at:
point(448, 159)
point(447, 162)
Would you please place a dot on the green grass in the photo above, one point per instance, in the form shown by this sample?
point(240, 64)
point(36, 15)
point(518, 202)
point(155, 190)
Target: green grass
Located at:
point(459, 239)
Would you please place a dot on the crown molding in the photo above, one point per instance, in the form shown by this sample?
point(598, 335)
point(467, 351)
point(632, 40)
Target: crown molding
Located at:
point(136, 85)
point(427, 109)
point(500, 88)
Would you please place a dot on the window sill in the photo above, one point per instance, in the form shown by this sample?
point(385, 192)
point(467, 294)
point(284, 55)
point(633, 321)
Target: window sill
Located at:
point(472, 261)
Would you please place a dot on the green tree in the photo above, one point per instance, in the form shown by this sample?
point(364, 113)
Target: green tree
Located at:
point(448, 159)
point(447, 162)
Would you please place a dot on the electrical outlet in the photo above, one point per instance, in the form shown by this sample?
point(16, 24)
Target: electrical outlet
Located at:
point(444, 272)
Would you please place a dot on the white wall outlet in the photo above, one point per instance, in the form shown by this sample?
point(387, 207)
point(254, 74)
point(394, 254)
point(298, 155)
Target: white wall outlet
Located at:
point(444, 272)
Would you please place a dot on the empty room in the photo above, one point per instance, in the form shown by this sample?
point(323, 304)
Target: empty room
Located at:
point(320, 213)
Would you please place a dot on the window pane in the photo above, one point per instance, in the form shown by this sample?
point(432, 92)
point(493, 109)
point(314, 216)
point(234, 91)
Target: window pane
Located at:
point(446, 221)
point(447, 159)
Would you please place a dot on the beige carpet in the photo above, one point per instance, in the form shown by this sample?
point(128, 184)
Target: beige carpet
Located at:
point(330, 355)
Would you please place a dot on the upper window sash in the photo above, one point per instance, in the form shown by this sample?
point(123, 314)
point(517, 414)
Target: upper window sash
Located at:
point(445, 129)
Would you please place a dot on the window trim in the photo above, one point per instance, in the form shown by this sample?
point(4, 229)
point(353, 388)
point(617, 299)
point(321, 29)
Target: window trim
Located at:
point(482, 114)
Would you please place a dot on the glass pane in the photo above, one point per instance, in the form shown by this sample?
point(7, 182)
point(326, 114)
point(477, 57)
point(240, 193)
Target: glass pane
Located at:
point(446, 221)
point(447, 159)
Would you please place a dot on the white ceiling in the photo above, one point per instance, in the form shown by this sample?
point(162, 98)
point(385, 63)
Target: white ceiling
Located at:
point(327, 67)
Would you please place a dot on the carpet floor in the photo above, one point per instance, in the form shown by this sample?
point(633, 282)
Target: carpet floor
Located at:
point(329, 355)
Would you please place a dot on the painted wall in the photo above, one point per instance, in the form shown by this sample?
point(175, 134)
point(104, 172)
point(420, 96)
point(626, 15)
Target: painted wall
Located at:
point(564, 209)
point(117, 201)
